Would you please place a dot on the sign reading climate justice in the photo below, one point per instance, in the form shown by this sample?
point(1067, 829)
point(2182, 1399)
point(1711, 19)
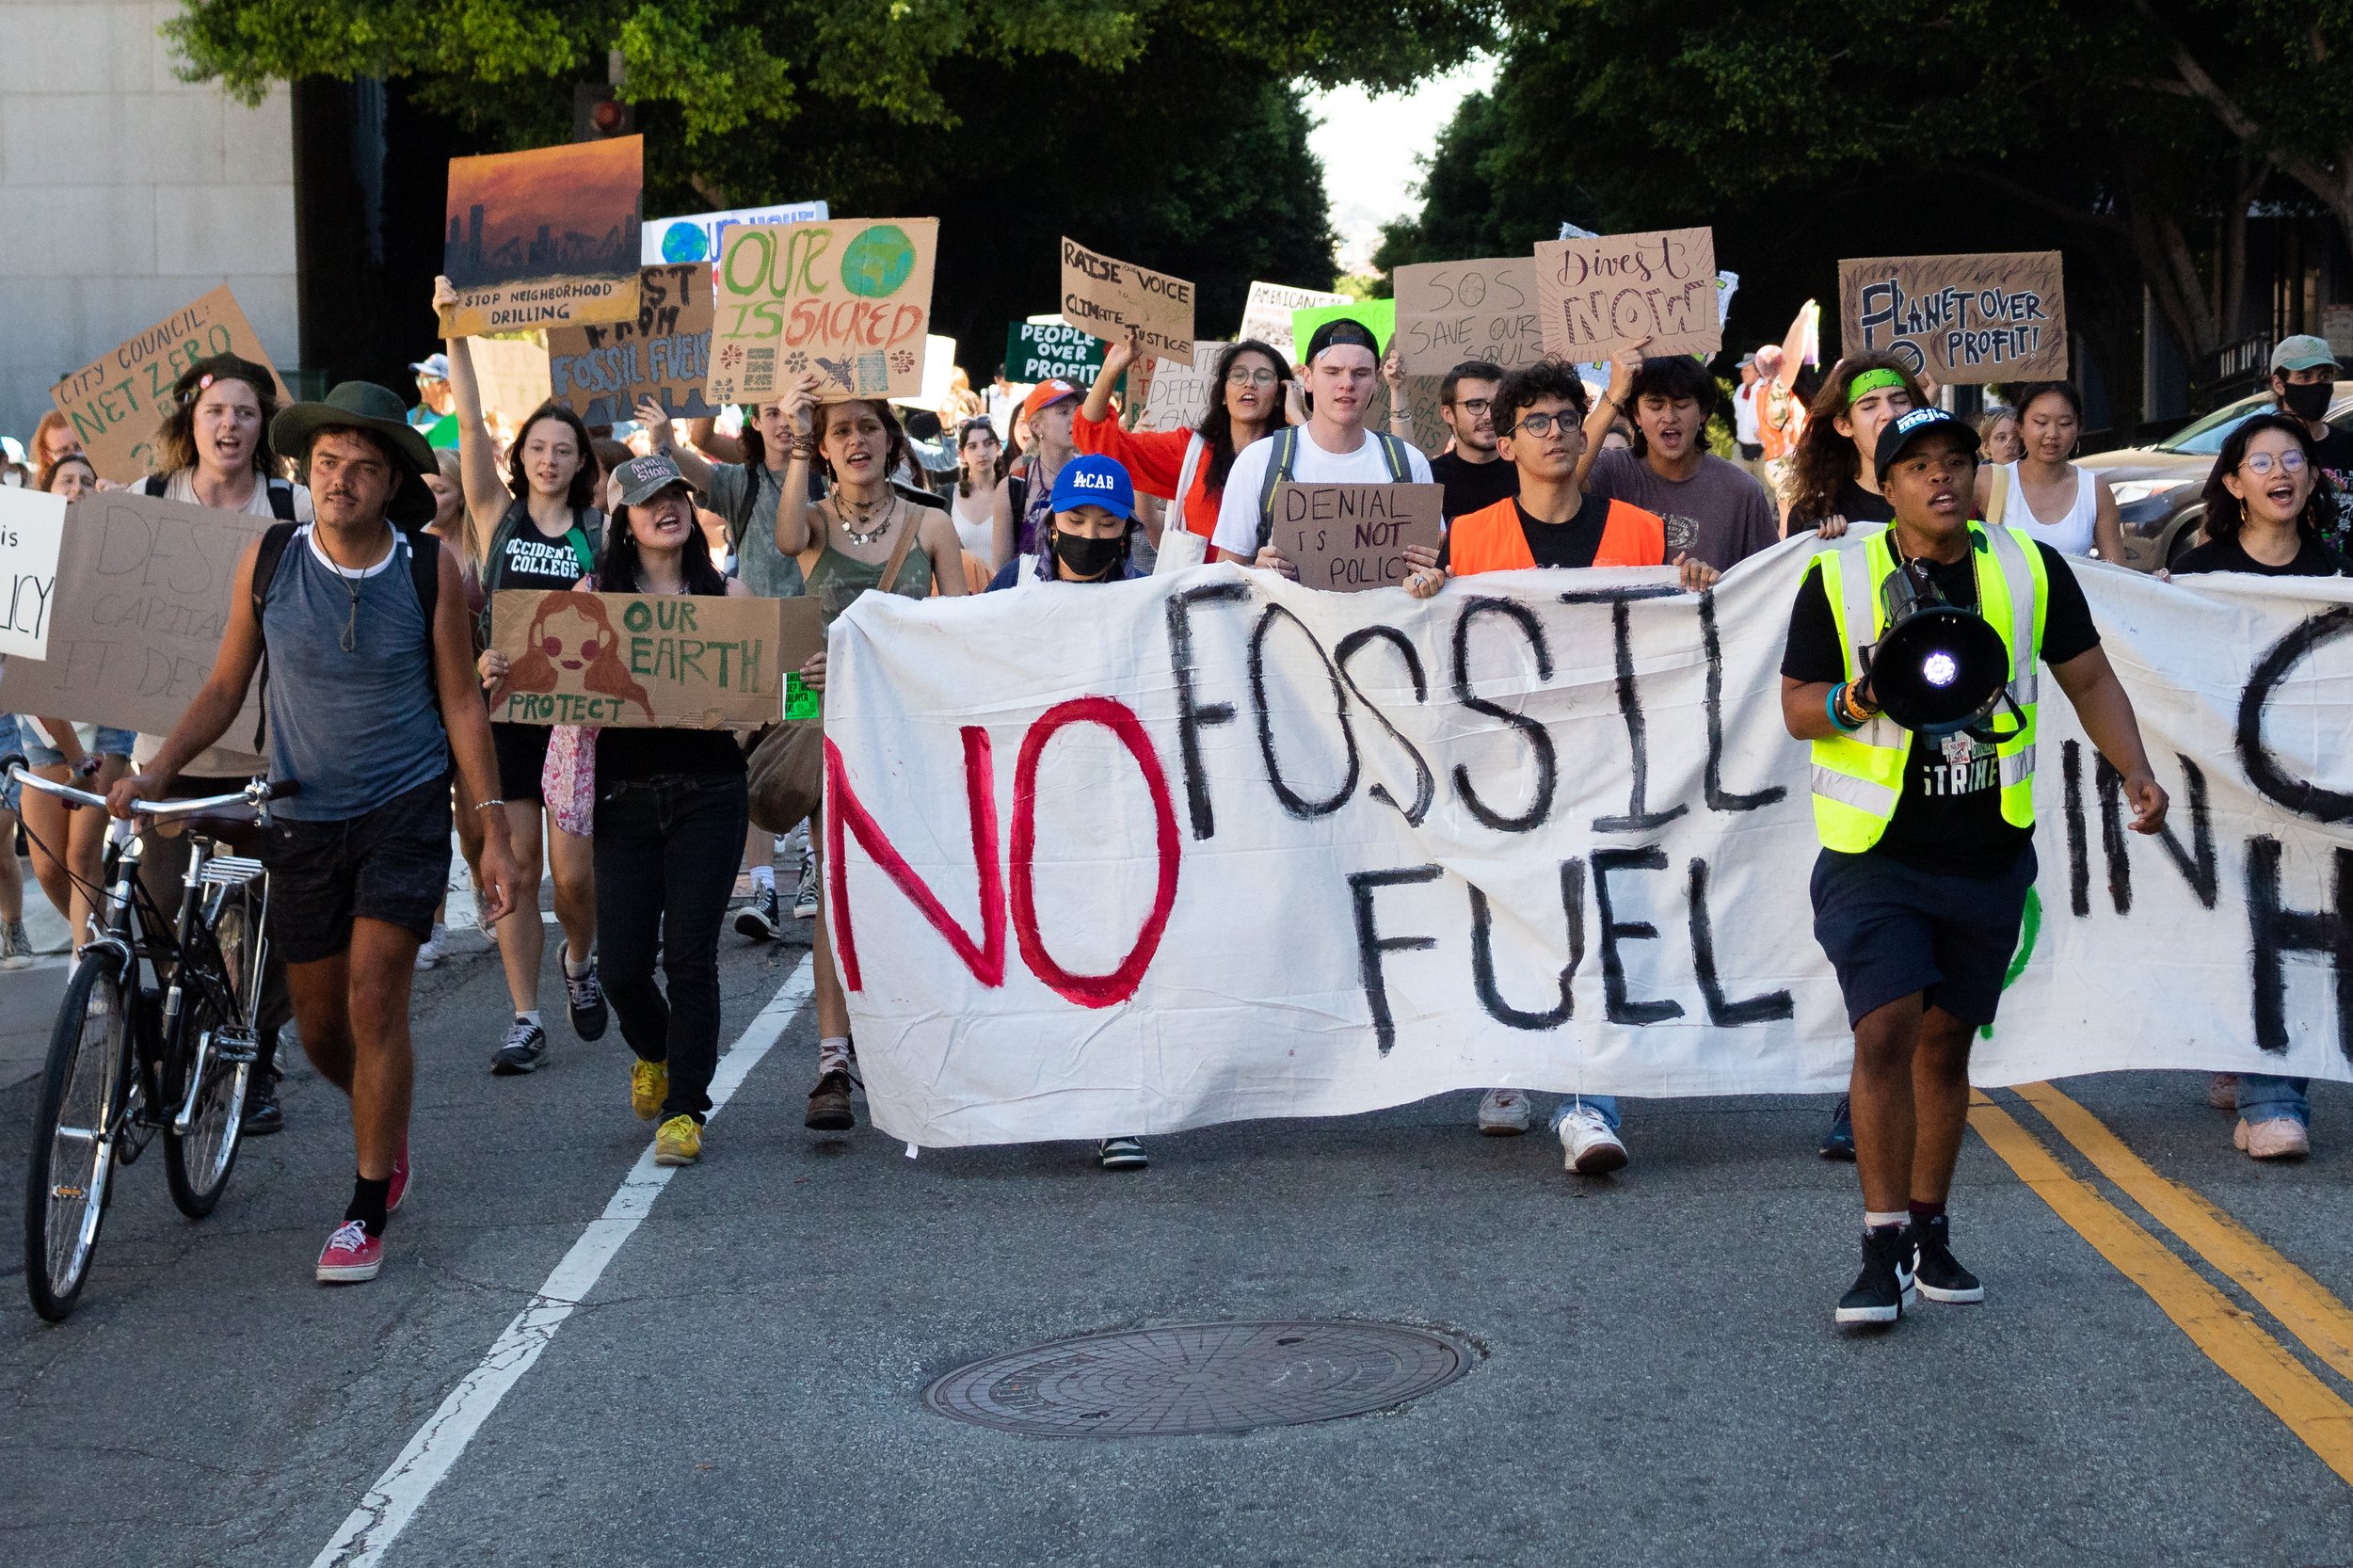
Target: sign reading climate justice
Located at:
point(2000, 317)
point(848, 299)
point(1254, 850)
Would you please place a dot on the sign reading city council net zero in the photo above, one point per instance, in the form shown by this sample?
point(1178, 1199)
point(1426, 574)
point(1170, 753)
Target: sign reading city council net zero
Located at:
point(848, 301)
point(544, 238)
point(116, 402)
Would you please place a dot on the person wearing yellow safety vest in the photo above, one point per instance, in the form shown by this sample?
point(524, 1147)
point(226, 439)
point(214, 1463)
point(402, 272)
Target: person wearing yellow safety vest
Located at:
point(1928, 850)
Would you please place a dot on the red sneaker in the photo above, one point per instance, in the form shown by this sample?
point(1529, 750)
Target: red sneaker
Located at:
point(351, 1254)
point(399, 1188)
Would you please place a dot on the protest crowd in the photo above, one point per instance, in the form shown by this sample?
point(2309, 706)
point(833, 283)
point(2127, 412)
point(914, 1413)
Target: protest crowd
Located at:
point(394, 686)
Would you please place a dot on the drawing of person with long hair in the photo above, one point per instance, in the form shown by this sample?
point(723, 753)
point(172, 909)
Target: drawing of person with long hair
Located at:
point(571, 632)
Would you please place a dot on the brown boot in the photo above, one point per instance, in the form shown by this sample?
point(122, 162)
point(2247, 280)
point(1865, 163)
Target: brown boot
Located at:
point(829, 1103)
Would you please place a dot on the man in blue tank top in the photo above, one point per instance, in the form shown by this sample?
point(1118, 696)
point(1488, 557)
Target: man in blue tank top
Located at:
point(368, 694)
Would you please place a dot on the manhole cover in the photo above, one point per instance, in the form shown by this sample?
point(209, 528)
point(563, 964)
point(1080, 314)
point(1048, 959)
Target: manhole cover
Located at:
point(1199, 1377)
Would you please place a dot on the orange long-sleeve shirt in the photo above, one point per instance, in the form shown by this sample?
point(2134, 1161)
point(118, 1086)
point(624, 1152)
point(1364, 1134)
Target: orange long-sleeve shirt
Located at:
point(1154, 460)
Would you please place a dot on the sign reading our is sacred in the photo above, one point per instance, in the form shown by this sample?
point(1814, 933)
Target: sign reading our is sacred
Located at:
point(848, 301)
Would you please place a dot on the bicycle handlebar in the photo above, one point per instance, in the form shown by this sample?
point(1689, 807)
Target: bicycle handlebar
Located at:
point(256, 794)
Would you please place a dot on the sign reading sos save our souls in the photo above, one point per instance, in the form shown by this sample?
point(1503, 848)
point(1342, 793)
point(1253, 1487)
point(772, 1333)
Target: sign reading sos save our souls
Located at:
point(847, 300)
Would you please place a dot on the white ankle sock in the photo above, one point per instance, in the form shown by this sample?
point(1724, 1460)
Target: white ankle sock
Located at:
point(1875, 1220)
point(574, 972)
point(764, 879)
point(832, 1052)
point(530, 1017)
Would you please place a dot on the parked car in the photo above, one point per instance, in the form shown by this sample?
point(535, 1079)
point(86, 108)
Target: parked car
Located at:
point(2160, 490)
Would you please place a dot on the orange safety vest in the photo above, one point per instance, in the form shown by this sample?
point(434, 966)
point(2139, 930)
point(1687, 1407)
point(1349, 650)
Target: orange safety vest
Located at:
point(1490, 540)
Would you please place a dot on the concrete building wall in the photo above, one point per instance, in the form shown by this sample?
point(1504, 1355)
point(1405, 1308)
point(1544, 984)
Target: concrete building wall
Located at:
point(125, 193)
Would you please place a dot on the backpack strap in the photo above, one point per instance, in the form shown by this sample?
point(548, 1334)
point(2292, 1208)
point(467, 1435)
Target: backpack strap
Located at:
point(281, 503)
point(266, 560)
point(1393, 452)
point(155, 485)
point(425, 576)
point(1278, 468)
point(583, 548)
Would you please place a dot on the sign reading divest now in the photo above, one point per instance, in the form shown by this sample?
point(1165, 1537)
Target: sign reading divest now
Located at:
point(1121, 302)
point(600, 371)
point(1260, 851)
point(1603, 294)
point(115, 403)
point(638, 661)
point(848, 299)
point(2000, 317)
point(1349, 537)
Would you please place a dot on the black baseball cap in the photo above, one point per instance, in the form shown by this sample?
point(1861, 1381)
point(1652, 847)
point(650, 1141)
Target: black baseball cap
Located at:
point(1901, 431)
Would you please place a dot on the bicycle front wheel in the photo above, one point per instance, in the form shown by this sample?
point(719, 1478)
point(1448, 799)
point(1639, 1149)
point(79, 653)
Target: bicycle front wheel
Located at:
point(83, 1098)
point(197, 1162)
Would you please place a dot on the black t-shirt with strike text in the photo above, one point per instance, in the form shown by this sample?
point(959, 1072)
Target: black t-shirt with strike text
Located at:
point(2313, 559)
point(2333, 455)
point(1472, 487)
point(1949, 819)
point(1572, 544)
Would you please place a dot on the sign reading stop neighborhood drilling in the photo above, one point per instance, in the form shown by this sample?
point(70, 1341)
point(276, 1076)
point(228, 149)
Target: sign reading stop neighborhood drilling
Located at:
point(1121, 302)
point(639, 660)
point(544, 238)
point(116, 402)
point(600, 371)
point(1993, 317)
point(849, 299)
point(1600, 295)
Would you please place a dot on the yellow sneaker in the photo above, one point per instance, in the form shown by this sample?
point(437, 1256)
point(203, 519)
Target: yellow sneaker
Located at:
point(648, 1086)
point(678, 1143)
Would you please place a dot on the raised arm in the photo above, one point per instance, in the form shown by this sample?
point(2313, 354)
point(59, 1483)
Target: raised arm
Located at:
point(1608, 406)
point(692, 464)
point(1117, 357)
point(793, 528)
point(487, 497)
point(1400, 416)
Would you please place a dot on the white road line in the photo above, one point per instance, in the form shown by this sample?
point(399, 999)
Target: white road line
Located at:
point(396, 1495)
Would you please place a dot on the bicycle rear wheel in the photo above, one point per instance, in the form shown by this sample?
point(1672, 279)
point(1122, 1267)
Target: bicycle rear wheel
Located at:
point(84, 1097)
point(197, 1162)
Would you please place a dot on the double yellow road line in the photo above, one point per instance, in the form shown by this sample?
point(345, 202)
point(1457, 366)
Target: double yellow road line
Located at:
point(2233, 1339)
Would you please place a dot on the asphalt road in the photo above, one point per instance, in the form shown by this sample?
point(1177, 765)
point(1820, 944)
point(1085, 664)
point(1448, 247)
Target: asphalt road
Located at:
point(1658, 1379)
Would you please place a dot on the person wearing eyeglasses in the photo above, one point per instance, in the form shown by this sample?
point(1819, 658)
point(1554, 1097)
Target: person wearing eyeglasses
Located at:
point(1189, 467)
point(1474, 474)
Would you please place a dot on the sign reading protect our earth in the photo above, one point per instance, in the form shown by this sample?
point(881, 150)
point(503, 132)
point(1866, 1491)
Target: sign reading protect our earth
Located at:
point(638, 661)
point(849, 301)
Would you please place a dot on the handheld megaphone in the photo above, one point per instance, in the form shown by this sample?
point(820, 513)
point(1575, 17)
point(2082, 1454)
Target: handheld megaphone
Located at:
point(1939, 666)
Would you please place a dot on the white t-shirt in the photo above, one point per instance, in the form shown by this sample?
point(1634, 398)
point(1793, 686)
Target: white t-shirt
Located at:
point(1238, 514)
point(181, 487)
point(1744, 414)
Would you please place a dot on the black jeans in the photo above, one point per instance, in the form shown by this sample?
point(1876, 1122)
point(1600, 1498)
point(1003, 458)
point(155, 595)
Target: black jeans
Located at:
point(665, 850)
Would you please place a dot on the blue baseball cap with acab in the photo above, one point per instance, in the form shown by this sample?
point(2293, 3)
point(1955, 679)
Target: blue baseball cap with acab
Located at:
point(1091, 480)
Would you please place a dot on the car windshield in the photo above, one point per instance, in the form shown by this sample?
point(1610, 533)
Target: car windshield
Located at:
point(2204, 438)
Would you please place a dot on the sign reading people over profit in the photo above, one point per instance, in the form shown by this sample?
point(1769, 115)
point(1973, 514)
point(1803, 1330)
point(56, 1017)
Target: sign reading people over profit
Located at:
point(1351, 537)
point(1292, 853)
point(1998, 317)
point(638, 661)
point(32, 527)
point(1599, 295)
point(1449, 311)
point(143, 588)
point(1267, 314)
point(116, 402)
point(669, 241)
point(544, 238)
point(1121, 302)
point(1043, 351)
point(848, 299)
point(600, 371)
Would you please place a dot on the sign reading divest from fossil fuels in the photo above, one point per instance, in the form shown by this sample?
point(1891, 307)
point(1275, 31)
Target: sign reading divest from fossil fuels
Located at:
point(600, 371)
point(848, 299)
point(639, 660)
point(1259, 850)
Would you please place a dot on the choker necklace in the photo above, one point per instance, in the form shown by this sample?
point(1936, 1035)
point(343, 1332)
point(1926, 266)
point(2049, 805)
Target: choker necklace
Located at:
point(859, 534)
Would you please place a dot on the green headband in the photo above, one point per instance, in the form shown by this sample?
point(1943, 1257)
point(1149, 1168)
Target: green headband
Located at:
point(1871, 381)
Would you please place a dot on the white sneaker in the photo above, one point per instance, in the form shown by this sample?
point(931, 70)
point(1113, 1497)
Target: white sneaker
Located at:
point(429, 950)
point(482, 922)
point(1590, 1147)
point(1503, 1113)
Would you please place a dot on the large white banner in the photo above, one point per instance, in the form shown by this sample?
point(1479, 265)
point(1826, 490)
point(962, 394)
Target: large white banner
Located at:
point(1143, 857)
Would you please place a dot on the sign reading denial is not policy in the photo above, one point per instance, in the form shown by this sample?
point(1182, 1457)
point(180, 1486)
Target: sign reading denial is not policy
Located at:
point(1598, 296)
point(642, 661)
point(848, 299)
point(114, 403)
point(1345, 538)
point(1995, 317)
point(1121, 302)
point(32, 529)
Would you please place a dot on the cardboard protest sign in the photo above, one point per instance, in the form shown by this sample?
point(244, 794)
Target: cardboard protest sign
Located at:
point(142, 596)
point(1449, 311)
point(1040, 351)
point(1178, 393)
point(1267, 314)
point(638, 661)
point(1121, 302)
point(848, 299)
point(669, 241)
point(32, 526)
point(600, 371)
point(544, 238)
point(1995, 317)
point(512, 375)
point(1600, 295)
point(1376, 317)
point(1346, 538)
point(116, 402)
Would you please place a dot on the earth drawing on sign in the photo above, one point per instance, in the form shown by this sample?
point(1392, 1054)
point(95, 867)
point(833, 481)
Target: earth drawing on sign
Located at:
point(878, 262)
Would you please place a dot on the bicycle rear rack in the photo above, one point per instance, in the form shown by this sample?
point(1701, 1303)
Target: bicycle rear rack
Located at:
point(228, 871)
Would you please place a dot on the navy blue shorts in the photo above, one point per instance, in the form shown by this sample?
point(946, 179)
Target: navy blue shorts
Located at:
point(388, 864)
point(1890, 931)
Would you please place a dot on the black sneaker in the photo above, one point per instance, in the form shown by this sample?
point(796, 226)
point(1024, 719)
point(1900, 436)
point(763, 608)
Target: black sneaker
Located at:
point(525, 1047)
point(829, 1103)
point(1839, 1142)
point(759, 920)
point(1120, 1153)
point(264, 1116)
point(585, 998)
point(1884, 1289)
point(805, 892)
point(1941, 1278)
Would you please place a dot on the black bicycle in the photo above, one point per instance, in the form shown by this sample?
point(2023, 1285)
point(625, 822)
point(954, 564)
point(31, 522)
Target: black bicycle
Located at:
point(155, 1034)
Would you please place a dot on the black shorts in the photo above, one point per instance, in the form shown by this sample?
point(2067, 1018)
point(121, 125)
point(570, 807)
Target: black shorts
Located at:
point(1890, 931)
point(391, 864)
point(522, 752)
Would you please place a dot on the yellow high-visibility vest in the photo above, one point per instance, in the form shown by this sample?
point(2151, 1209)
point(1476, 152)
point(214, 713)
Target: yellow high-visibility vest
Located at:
point(1859, 778)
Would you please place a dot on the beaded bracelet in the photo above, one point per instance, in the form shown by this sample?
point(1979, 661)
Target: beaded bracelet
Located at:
point(1837, 708)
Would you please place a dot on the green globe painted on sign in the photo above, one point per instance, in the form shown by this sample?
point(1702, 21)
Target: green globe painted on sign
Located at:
point(683, 241)
point(878, 262)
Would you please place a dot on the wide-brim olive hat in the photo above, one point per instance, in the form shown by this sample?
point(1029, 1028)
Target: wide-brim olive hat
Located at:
point(365, 406)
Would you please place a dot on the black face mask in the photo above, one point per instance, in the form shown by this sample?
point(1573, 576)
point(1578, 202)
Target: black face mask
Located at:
point(1088, 557)
point(2308, 400)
